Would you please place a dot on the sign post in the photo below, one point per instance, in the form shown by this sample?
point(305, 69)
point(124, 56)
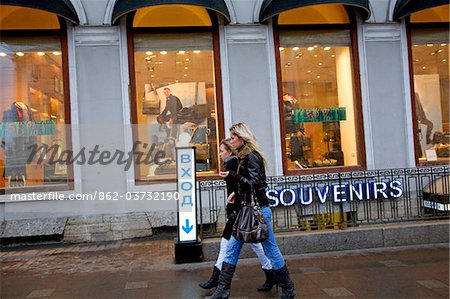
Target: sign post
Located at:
point(188, 247)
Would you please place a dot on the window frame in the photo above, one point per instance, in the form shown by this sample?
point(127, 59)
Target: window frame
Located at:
point(214, 30)
point(361, 150)
point(62, 34)
point(409, 27)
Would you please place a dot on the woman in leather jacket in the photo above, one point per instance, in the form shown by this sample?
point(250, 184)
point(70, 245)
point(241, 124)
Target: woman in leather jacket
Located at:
point(230, 163)
point(251, 176)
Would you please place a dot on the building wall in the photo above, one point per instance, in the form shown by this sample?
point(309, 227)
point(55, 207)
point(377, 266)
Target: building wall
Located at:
point(99, 83)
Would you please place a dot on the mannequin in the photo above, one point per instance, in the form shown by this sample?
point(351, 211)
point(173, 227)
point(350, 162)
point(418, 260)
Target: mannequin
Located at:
point(17, 150)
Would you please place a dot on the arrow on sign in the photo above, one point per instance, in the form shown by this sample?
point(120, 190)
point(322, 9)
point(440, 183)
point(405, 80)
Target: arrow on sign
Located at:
point(187, 229)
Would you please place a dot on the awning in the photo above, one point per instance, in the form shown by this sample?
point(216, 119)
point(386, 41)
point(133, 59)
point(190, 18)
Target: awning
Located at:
point(404, 8)
point(271, 8)
point(123, 7)
point(62, 8)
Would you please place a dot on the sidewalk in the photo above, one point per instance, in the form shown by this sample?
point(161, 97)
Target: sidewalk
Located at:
point(145, 269)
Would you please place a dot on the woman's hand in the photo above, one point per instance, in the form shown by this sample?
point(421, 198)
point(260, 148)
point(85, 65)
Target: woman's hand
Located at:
point(224, 174)
point(231, 198)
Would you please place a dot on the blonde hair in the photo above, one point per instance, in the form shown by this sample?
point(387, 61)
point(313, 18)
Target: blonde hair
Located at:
point(226, 142)
point(244, 132)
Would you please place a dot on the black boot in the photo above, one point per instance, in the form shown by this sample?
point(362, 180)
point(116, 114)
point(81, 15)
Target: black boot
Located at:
point(270, 281)
point(213, 280)
point(285, 282)
point(223, 287)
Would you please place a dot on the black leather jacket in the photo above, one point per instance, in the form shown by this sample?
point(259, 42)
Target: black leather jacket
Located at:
point(251, 175)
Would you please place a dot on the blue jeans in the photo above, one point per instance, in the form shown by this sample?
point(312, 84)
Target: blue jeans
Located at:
point(270, 246)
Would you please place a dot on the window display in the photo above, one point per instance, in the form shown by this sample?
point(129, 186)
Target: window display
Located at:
point(32, 111)
point(175, 99)
point(430, 58)
point(318, 98)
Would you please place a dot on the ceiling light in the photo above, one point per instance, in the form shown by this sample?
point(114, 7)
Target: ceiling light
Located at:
point(185, 75)
point(333, 55)
point(295, 48)
point(440, 51)
point(320, 63)
point(181, 52)
point(316, 46)
point(56, 53)
point(309, 82)
point(318, 77)
point(315, 55)
point(187, 59)
point(153, 76)
point(310, 48)
point(163, 52)
point(417, 60)
point(433, 53)
point(20, 54)
point(309, 71)
point(327, 48)
point(443, 44)
point(148, 53)
point(40, 53)
point(185, 67)
point(416, 46)
point(298, 55)
point(2, 54)
point(424, 67)
point(429, 45)
point(196, 51)
point(281, 48)
point(444, 60)
point(176, 81)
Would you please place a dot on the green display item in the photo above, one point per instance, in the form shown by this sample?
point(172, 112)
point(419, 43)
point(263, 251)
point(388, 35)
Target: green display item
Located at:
point(27, 128)
point(319, 115)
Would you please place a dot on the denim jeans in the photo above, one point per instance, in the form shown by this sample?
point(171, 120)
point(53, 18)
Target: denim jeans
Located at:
point(270, 245)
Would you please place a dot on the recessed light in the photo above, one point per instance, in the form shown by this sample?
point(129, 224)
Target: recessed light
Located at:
point(316, 46)
point(196, 51)
point(309, 82)
point(176, 81)
point(181, 52)
point(281, 48)
point(310, 48)
point(187, 59)
point(185, 75)
point(320, 63)
point(163, 52)
point(333, 55)
point(40, 53)
point(148, 53)
point(318, 77)
point(416, 46)
point(424, 67)
point(327, 48)
point(185, 67)
point(56, 53)
point(315, 55)
point(443, 44)
point(295, 48)
point(153, 76)
point(440, 51)
point(2, 54)
point(444, 60)
point(20, 54)
point(433, 53)
point(309, 71)
point(417, 60)
point(429, 45)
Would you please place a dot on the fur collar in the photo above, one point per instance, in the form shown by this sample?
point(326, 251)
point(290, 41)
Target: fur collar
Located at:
point(243, 152)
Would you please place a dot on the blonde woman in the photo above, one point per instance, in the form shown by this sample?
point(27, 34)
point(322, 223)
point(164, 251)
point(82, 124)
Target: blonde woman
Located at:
point(230, 163)
point(251, 176)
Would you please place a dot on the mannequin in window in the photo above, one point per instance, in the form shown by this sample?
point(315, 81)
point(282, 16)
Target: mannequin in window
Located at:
point(422, 118)
point(17, 148)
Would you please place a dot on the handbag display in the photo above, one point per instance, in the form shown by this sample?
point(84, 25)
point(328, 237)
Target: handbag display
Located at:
point(250, 226)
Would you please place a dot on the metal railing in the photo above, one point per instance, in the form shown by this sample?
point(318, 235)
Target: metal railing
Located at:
point(340, 200)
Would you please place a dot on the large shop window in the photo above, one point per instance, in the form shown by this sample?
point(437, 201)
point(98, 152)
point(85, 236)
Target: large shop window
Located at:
point(175, 100)
point(319, 102)
point(430, 78)
point(33, 102)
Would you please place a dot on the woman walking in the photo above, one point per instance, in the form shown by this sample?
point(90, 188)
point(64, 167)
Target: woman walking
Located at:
point(230, 163)
point(251, 176)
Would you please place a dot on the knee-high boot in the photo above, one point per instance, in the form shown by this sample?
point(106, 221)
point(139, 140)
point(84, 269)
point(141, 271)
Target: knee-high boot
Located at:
point(213, 280)
point(270, 281)
point(223, 288)
point(284, 281)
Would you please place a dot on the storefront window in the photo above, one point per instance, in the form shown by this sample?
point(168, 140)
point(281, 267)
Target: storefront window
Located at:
point(175, 99)
point(430, 67)
point(33, 105)
point(318, 98)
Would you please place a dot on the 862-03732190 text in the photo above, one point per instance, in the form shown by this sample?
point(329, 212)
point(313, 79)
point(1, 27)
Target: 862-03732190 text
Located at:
point(97, 195)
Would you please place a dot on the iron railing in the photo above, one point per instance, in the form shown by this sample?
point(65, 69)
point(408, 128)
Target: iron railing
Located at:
point(340, 200)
